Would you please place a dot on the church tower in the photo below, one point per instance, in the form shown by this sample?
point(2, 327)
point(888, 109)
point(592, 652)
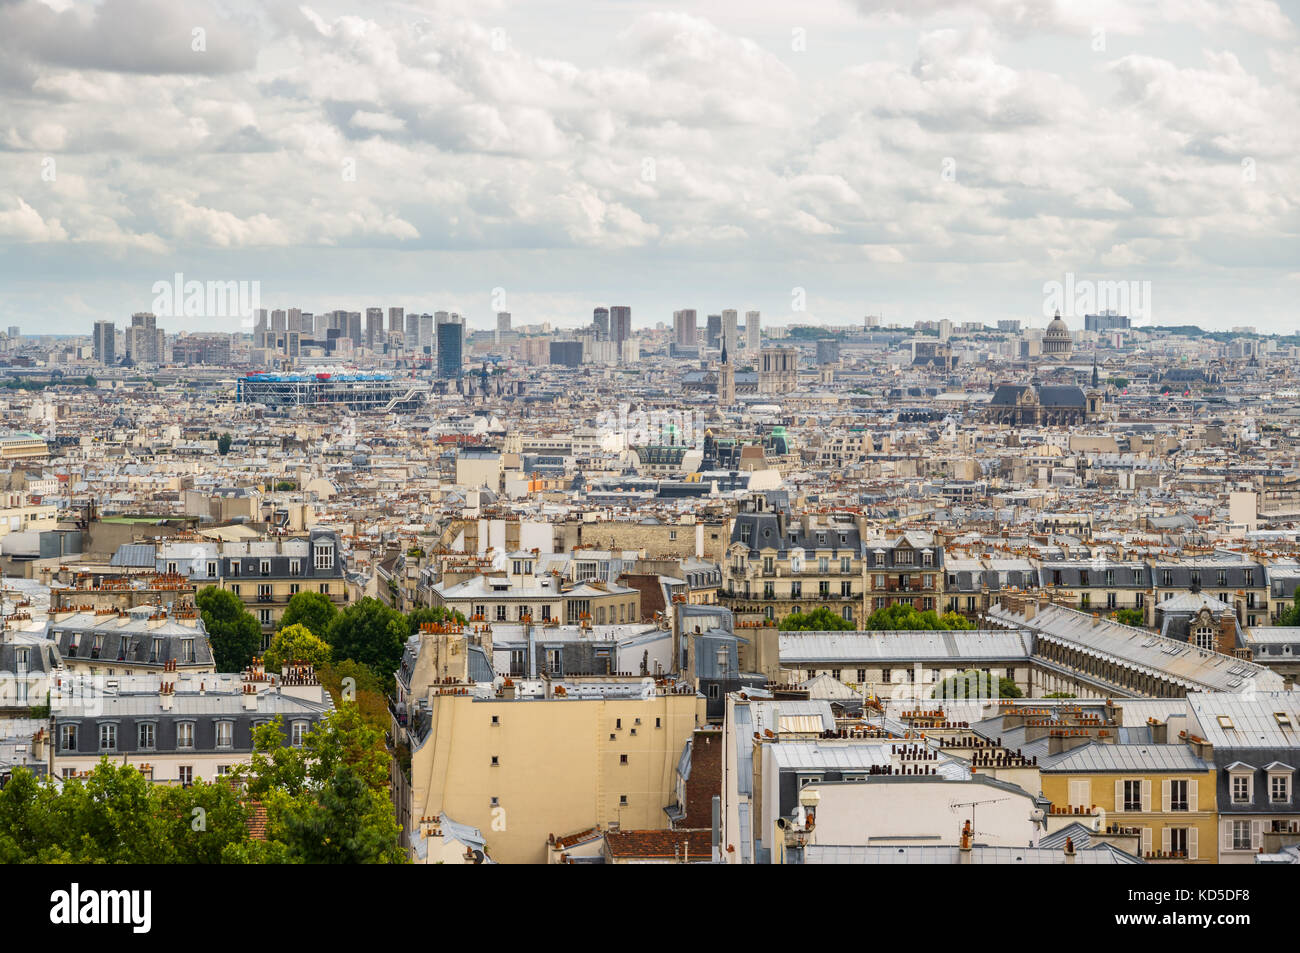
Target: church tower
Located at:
point(726, 381)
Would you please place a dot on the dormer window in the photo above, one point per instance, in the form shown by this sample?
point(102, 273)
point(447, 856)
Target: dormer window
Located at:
point(324, 555)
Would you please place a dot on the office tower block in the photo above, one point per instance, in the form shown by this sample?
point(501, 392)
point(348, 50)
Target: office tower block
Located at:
point(395, 319)
point(354, 328)
point(730, 333)
point(620, 324)
point(105, 342)
point(600, 319)
point(686, 329)
point(374, 327)
point(753, 334)
point(279, 320)
point(713, 330)
point(503, 324)
point(451, 344)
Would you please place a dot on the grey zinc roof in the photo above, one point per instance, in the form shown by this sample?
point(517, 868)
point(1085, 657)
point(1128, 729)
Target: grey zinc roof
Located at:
point(1130, 758)
point(135, 555)
point(1181, 662)
point(902, 646)
point(1253, 718)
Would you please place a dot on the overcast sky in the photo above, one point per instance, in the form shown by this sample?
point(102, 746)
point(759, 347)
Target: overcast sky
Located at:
point(918, 159)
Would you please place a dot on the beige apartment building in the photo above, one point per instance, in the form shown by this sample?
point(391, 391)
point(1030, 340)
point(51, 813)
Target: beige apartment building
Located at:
point(579, 753)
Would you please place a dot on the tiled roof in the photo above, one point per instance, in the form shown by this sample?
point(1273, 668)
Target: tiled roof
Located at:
point(684, 844)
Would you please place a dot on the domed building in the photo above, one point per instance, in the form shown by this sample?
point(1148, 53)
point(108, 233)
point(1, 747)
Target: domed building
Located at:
point(1057, 343)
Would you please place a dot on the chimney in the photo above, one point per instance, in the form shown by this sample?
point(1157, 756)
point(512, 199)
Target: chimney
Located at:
point(250, 698)
point(167, 695)
point(1069, 850)
point(964, 853)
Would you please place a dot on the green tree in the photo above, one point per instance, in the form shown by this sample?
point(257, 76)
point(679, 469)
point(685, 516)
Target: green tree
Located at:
point(234, 633)
point(371, 633)
point(311, 609)
point(975, 684)
point(821, 618)
point(1290, 616)
point(295, 643)
point(351, 681)
point(903, 616)
point(1129, 616)
point(223, 443)
point(196, 824)
point(327, 802)
point(286, 485)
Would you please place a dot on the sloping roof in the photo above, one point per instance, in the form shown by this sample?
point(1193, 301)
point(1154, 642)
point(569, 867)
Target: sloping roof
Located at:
point(684, 845)
point(856, 854)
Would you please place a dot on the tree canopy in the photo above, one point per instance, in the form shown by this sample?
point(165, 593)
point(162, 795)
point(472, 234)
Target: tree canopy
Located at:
point(371, 633)
point(234, 633)
point(311, 609)
point(325, 802)
point(902, 616)
point(821, 618)
point(295, 643)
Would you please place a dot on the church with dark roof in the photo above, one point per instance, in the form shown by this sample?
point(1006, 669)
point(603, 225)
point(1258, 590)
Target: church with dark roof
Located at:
point(1042, 405)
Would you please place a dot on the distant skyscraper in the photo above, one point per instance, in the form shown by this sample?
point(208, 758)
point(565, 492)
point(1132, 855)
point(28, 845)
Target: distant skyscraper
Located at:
point(374, 327)
point(730, 334)
point(425, 342)
point(620, 323)
point(279, 321)
point(395, 319)
point(105, 342)
point(144, 341)
point(354, 332)
point(686, 328)
point(451, 345)
point(503, 324)
point(753, 334)
point(600, 318)
point(713, 330)
point(412, 338)
point(14, 332)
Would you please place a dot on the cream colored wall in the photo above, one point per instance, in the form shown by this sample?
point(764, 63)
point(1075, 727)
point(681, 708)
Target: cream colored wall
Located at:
point(559, 769)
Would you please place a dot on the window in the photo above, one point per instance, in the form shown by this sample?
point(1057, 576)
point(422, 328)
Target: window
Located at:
point(622, 759)
point(862, 676)
point(496, 761)
point(1241, 788)
point(186, 774)
point(1279, 788)
point(295, 567)
point(146, 736)
point(884, 674)
point(325, 588)
point(1241, 835)
point(324, 554)
point(108, 737)
point(185, 734)
point(1178, 795)
point(622, 800)
point(187, 650)
point(1178, 840)
point(501, 613)
point(264, 567)
point(1205, 637)
point(845, 565)
point(223, 770)
point(1132, 796)
point(212, 569)
point(67, 737)
point(297, 733)
point(809, 779)
point(225, 734)
point(496, 721)
point(835, 674)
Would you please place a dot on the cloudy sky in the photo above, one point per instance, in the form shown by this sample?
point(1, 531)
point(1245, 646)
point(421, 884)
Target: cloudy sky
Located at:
point(817, 161)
